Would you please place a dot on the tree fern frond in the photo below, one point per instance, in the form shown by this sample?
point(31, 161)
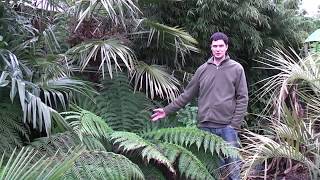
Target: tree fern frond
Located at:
point(150, 171)
point(98, 164)
point(211, 161)
point(12, 131)
point(121, 108)
point(93, 144)
point(60, 141)
point(189, 136)
point(86, 123)
point(188, 164)
point(132, 142)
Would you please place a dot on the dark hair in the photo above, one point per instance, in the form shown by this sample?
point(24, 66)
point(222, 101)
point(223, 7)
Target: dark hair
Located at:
point(219, 36)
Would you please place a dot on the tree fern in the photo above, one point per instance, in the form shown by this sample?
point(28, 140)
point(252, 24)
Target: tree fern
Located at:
point(86, 123)
point(60, 141)
point(104, 165)
point(12, 131)
point(188, 164)
point(132, 142)
point(151, 172)
point(211, 161)
point(121, 107)
point(189, 136)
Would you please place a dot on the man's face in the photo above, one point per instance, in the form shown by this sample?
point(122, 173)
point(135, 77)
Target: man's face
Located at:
point(218, 49)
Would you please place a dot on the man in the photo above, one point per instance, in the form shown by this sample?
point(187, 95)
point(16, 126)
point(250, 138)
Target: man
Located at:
point(221, 87)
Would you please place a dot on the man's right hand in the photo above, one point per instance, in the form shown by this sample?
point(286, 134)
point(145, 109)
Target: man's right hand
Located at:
point(158, 114)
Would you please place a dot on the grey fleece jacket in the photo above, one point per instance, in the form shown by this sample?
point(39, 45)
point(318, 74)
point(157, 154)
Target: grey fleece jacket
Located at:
point(222, 94)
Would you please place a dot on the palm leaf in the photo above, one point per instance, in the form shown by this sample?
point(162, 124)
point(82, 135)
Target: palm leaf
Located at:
point(115, 10)
point(155, 80)
point(21, 165)
point(260, 148)
point(64, 89)
point(108, 52)
point(170, 38)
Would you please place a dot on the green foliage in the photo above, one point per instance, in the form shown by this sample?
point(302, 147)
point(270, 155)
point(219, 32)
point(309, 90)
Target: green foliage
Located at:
point(292, 115)
point(23, 164)
point(120, 107)
point(85, 123)
point(50, 145)
point(188, 115)
point(109, 51)
point(189, 136)
point(188, 164)
point(104, 165)
point(130, 141)
point(12, 132)
point(151, 172)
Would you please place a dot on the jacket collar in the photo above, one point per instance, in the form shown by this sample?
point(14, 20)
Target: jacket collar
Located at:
point(210, 61)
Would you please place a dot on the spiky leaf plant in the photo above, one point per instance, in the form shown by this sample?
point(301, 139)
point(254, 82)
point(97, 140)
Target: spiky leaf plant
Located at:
point(292, 133)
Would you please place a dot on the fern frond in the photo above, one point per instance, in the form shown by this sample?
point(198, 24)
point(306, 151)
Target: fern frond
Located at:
point(211, 161)
point(123, 109)
point(189, 165)
point(98, 164)
point(132, 142)
point(93, 144)
point(12, 131)
point(189, 136)
point(86, 123)
point(60, 141)
point(150, 171)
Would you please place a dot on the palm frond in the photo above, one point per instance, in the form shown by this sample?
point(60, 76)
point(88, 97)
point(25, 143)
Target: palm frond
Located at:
point(132, 142)
point(292, 69)
point(171, 38)
point(106, 52)
point(116, 10)
point(260, 148)
point(189, 136)
point(155, 80)
point(64, 89)
point(35, 111)
point(21, 165)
